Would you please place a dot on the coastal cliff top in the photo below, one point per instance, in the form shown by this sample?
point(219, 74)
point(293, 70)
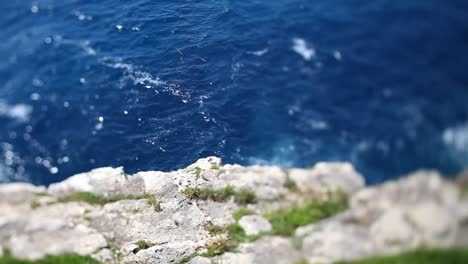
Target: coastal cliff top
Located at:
point(215, 213)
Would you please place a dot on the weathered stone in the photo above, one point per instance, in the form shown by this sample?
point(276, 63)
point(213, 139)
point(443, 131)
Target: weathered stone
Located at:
point(332, 241)
point(254, 224)
point(200, 260)
point(206, 163)
point(54, 238)
point(18, 193)
point(268, 250)
point(236, 258)
point(420, 209)
point(105, 256)
point(102, 181)
point(324, 176)
point(391, 233)
point(437, 226)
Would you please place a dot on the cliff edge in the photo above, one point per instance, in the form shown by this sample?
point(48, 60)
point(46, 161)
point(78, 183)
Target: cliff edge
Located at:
point(215, 213)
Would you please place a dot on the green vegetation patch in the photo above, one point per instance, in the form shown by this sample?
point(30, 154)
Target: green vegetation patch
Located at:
point(94, 199)
point(142, 245)
point(421, 256)
point(301, 261)
point(242, 196)
point(197, 172)
point(241, 212)
point(285, 221)
point(215, 167)
point(291, 185)
point(61, 259)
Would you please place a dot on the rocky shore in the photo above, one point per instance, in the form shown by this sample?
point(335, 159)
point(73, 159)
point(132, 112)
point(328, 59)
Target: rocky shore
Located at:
point(215, 213)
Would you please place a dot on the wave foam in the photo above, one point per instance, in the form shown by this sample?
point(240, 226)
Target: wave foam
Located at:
point(300, 47)
point(457, 137)
point(18, 112)
point(138, 76)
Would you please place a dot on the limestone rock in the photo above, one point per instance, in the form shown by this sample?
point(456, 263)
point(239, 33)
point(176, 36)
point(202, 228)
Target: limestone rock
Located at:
point(206, 163)
point(254, 224)
point(105, 256)
point(420, 209)
point(328, 176)
point(268, 250)
point(55, 238)
point(437, 225)
point(391, 233)
point(332, 241)
point(200, 260)
point(102, 181)
point(236, 258)
point(18, 193)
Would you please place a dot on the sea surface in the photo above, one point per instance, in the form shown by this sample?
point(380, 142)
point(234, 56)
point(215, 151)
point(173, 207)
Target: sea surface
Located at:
point(157, 84)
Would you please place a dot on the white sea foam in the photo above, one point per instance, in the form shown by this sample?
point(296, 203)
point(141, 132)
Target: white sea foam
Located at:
point(11, 164)
point(259, 52)
point(85, 45)
point(18, 112)
point(131, 72)
point(138, 76)
point(300, 47)
point(457, 138)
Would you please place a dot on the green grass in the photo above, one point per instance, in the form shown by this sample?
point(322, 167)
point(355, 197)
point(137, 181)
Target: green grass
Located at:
point(291, 185)
point(41, 194)
point(142, 245)
point(218, 248)
point(61, 259)
point(242, 196)
point(114, 248)
point(214, 229)
point(235, 236)
point(91, 198)
point(198, 172)
point(215, 167)
point(421, 256)
point(35, 204)
point(152, 201)
point(285, 221)
point(241, 212)
point(238, 235)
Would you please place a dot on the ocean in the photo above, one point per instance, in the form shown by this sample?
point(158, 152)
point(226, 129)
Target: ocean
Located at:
point(157, 84)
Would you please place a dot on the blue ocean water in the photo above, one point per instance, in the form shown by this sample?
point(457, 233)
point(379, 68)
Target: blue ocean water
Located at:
point(157, 84)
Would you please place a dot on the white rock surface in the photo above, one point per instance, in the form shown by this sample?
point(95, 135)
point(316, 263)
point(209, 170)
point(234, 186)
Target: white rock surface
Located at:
point(328, 176)
point(419, 209)
point(332, 241)
point(254, 224)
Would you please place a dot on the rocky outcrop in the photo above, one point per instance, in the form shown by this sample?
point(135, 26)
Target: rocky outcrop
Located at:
point(151, 217)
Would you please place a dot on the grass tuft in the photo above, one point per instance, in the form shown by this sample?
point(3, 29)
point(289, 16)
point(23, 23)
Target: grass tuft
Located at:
point(142, 245)
point(61, 259)
point(114, 248)
point(214, 229)
point(241, 212)
point(215, 167)
point(243, 196)
point(94, 199)
point(218, 248)
point(420, 256)
point(35, 204)
point(41, 194)
point(291, 185)
point(285, 221)
point(197, 172)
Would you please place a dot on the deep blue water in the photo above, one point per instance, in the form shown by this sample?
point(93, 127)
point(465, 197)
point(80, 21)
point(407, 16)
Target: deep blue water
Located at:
point(157, 84)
